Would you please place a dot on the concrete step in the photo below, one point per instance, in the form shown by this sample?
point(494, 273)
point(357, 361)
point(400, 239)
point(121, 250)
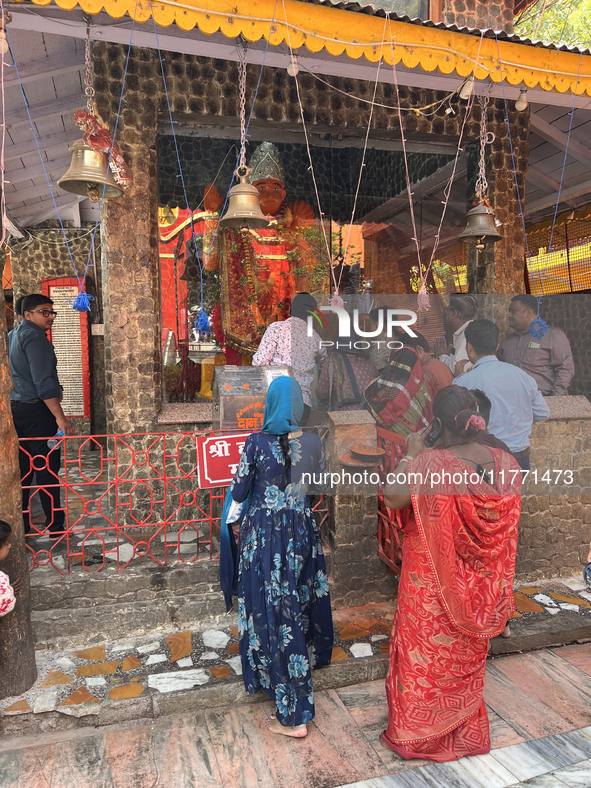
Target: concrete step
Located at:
point(85, 608)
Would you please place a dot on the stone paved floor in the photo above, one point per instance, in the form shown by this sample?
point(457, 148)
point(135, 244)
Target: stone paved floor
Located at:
point(539, 707)
point(78, 681)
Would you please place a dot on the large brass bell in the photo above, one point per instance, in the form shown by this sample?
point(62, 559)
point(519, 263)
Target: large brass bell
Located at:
point(88, 172)
point(244, 205)
point(480, 227)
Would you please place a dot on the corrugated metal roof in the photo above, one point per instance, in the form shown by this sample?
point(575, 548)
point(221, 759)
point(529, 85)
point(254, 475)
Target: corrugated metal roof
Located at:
point(372, 10)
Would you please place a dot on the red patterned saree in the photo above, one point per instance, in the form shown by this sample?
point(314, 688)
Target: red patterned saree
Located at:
point(455, 592)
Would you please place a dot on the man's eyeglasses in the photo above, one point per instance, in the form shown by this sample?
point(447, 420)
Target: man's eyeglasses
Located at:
point(44, 312)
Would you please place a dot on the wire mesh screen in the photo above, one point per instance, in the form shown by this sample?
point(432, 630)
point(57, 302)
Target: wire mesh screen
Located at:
point(566, 268)
point(450, 270)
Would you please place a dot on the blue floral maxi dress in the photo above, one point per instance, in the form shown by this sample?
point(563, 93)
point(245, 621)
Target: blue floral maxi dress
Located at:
point(284, 616)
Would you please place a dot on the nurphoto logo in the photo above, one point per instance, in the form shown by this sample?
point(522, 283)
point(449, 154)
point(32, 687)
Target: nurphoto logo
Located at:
point(394, 318)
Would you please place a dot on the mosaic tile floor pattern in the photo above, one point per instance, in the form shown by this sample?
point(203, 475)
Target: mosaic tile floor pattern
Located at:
point(232, 748)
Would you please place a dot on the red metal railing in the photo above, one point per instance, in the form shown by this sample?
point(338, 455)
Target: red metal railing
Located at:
point(123, 499)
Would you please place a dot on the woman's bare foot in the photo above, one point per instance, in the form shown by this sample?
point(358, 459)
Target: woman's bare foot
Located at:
point(296, 731)
point(506, 633)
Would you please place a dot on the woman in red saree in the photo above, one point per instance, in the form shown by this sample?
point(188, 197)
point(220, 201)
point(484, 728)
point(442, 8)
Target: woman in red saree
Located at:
point(400, 402)
point(456, 585)
point(399, 399)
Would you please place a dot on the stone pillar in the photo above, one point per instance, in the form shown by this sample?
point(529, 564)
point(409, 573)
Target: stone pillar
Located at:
point(479, 13)
point(358, 576)
point(129, 232)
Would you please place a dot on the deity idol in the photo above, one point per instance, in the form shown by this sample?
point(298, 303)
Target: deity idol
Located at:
point(257, 266)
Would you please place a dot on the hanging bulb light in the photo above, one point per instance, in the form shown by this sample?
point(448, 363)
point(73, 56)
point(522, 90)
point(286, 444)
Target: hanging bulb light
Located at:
point(466, 89)
point(4, 46)
point(522, 103)
point(89, 172)
point(481, 225)
point(293, 69)
point(244, 201)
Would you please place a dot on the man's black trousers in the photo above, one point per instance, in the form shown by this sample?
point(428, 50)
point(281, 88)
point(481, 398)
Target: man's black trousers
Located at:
point(35, 420)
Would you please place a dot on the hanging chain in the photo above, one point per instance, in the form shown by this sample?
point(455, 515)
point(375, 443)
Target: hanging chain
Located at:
point(89, 90)
point(486, 138)
point(242, 94)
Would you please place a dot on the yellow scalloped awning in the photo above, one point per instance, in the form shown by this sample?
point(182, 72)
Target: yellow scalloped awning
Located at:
point(297, 24)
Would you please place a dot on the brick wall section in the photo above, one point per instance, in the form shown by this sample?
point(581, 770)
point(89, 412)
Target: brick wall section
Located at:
point(479, 13)
point(570, 312)
point(555, 530)
point(46, 256)
point(358, 576)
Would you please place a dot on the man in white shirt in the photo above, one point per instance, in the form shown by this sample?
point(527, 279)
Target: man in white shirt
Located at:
point(287, 343)
point(516, 401)
point(459, 313)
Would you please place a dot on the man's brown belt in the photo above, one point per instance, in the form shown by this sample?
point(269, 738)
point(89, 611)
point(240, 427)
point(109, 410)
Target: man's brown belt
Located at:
point(519, 455)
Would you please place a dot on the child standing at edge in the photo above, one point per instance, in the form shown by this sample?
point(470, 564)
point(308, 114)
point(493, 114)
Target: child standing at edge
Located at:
point(7, 591)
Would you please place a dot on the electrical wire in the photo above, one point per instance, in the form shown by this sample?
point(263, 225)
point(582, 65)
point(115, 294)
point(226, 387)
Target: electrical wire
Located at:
point(2, 169)
point(570, 128)
point(521, 213)
point(375, 88)
point(417, 110)
point(311, 167)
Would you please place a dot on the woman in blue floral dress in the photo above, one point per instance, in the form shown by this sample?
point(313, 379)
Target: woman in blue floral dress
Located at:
point(284, 616)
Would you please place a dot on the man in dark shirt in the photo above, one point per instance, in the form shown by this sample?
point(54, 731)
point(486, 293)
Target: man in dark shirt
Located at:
point(36, 408)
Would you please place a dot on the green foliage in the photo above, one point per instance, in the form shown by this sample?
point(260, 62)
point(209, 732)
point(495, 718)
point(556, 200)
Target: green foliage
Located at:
point(557, 21)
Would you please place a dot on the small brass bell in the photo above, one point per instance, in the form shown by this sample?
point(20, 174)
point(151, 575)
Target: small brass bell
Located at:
point(87, 174)
point(244, 205)
point(480, 227)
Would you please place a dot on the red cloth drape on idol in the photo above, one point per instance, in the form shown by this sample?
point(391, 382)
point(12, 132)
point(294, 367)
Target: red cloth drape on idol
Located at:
point(455, 592)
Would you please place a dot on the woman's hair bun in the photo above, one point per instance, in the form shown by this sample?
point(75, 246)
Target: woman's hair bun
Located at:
point(469, 423)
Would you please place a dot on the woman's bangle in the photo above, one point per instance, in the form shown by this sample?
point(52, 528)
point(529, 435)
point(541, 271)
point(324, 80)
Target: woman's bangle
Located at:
point(406, 459)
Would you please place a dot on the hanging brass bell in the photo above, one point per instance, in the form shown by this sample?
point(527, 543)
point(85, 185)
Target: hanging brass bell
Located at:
point(244, 206)
point(480, 227)
point(88, 172)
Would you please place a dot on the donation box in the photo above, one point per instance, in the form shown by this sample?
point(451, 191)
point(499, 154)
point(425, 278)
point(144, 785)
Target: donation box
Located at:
point(239, 396)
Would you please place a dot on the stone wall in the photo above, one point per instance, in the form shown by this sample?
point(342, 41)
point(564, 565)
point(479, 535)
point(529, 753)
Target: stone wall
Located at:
point(44, 255)
point(555, 530)
point(570, 312)
point(479, 13)
point(357, 574)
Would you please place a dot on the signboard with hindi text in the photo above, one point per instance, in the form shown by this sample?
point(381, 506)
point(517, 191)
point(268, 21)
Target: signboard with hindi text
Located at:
point(218, 458)
point(69, 335)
